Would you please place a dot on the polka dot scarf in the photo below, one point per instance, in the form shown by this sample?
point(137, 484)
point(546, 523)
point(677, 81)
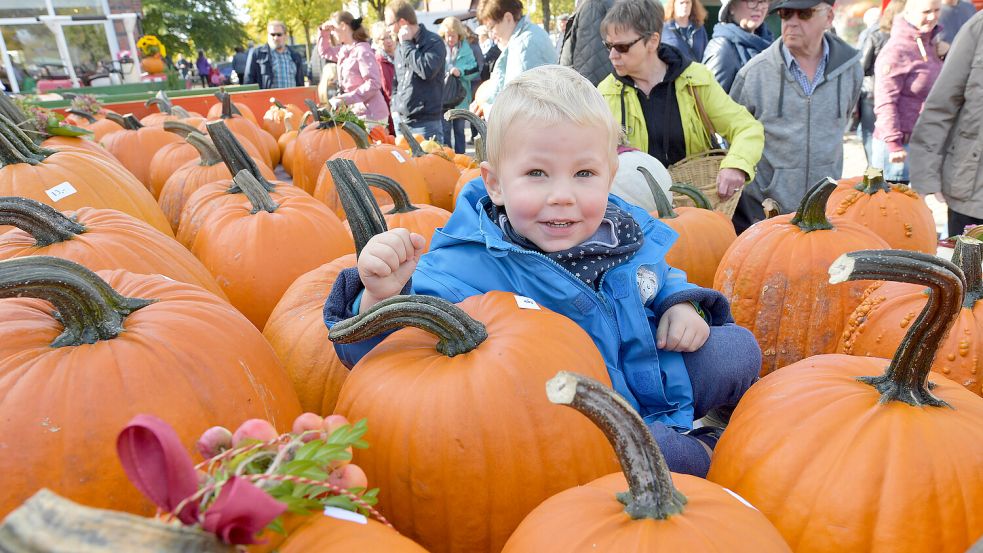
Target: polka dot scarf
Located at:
point(616, 240)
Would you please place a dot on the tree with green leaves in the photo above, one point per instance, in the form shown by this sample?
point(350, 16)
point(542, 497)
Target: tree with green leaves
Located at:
point(301, 16)
point(186, 25)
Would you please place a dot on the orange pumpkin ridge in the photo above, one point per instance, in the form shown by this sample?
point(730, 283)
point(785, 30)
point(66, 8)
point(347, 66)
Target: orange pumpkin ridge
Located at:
point(136, 145)
point(653, 515)
point(867, 488)
point(422, 219)
point(478, 125)
point(439, 171)
point(314, 145)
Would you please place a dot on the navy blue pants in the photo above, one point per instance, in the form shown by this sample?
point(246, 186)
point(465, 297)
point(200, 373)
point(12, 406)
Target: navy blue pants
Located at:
point(720, 372)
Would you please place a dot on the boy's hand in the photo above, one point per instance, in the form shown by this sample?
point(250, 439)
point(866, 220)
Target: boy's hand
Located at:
point(386, 263)
point(682, 329)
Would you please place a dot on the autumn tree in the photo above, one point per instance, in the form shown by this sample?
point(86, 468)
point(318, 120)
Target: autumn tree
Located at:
point(301, 16)
point(186, 25)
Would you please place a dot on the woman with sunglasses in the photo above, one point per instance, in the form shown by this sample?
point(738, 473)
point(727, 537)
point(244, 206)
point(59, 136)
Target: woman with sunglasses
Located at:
point(657, 95)
point(345, 41)
point(739, 36)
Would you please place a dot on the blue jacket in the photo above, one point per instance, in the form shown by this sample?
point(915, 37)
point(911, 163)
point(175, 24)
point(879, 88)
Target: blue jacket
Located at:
point(672, 36)
point(470, 256)
point(731, 48)
point(528, 47)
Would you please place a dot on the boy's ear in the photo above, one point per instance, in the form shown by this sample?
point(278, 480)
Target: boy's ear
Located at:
point(492, 184)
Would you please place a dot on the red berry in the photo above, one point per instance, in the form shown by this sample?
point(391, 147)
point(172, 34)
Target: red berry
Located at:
point(254, 429)
point(213, 441)
point(307, 422)
point(349, 476)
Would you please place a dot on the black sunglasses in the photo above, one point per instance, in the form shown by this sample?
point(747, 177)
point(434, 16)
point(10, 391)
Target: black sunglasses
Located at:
point(276, 34)
point(804, 14)
point(621, 48)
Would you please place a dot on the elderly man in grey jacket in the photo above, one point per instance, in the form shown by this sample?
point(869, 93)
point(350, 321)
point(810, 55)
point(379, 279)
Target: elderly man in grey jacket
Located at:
point(803, 89)
point(947, 145)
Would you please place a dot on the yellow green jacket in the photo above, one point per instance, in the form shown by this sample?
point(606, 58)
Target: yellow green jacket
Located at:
point(743, 132)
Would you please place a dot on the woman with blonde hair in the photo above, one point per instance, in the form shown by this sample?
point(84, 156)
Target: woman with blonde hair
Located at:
point(684, 29)
point(345, 41)
point(460, 63)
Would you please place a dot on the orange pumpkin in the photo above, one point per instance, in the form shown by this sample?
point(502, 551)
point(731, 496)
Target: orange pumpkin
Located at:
point(135, 147)
point(379, 134)
point(894, 212)
point(704, 234)
point(296, 328)
point(172, 156)
point(383, 159)
point(121, 344)
point(774, 277)
point(263, 141)
point(275, 118)
point(660, 512)
point(100, 127)
point(314, 145)
point(71, 179)
point(168, 112)
point(66, 143)
point(438, 170)
point(100, 239)
point(194, 174)
point(401, 213)
point(843, 455)
point(877, 327)
point(463, 411)
point(326, 534)
point(237, 108)
point(478, 126)
point(240, 242)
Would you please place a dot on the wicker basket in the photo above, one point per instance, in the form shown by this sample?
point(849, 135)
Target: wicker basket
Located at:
point(700, 171)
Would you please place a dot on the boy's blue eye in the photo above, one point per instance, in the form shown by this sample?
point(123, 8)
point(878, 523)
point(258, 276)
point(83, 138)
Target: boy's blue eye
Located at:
point(536, 173)
point(585, 173)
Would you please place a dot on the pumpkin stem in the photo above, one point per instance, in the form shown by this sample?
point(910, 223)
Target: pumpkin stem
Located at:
point(415, 148)
point(456, 331)
point(277, 103)
point(116, 118)
point(228, 108)
point(12, 111)
point(86, 305)
point(128, 122)
point(811, 214)
point(651, 493)
point(89, 118)
point(44, 223)
point(969, 258)
point(662, 204)
point(873, 182)
point(180, 128)
point(179, 111)
point(401, 200)
point(699, 200)
point(234, 155)
point(364, 216)
point(906, 378)
point(255, 191)
point(16, 147)
point(770, 208)
point(361, 138)
point(162, 102)
point(206, 150)
point(477, 125)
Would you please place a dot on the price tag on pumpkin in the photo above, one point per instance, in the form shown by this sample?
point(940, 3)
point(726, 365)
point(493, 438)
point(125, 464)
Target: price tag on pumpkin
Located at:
point(526, 303)
point(342, 514)
point(60, 191)
point(399, 157)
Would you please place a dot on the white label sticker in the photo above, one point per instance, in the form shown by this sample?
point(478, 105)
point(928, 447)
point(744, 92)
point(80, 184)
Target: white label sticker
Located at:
point(526, 303)
point(341, 514)
point(61, 191)
point(399, 157)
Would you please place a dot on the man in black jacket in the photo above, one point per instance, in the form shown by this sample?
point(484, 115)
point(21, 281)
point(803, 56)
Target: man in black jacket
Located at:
point(582, 49)
point(418, 87)
point(273, 65)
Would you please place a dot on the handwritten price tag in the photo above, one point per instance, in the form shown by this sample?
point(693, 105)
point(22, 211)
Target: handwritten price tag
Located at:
point(61, 191)
point(399, 157)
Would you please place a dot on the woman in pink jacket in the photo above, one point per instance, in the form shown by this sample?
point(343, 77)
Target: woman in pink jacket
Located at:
point(345, 41)
point(904, 73)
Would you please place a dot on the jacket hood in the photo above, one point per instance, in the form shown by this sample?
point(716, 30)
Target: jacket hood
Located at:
point(736, 34)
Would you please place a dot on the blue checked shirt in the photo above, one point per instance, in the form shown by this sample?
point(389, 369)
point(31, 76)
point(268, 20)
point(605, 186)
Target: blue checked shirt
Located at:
point(284, 69)
point(803, 79)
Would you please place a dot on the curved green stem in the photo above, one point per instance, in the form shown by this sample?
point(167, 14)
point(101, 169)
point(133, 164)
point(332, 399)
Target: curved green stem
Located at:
point(116, 118)
point(162, 102)
point(44, 223)
point(180, 128)
point(456, 331)
point(415, 148)
point(699, 200)
point(906, 378)
point(662, 204)
point(254, 190)
point(969, 258)
point(873, 182)
point(12, 111)
point(179, 111)
point(651, 493)
point(228, 108)
point(401, 200)
point(364, 217)
point(206, 150)
point(277, 103)
point(89, 118)
point(86, 305)
point(130, 122)
point(233, 154)
point(811, 214)
point(16, 147)
point(477, 125)
point(360, 137)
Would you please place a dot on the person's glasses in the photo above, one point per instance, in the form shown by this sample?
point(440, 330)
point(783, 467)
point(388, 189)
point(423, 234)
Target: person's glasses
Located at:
point(755, 3)
point(804, 14)
point(276, 34)
point(621, 48)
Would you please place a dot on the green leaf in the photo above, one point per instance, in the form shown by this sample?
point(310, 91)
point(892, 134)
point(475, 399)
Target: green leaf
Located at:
point(67, 130)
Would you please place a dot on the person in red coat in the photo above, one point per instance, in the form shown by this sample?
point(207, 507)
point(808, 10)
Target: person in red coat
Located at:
point(385, 48)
